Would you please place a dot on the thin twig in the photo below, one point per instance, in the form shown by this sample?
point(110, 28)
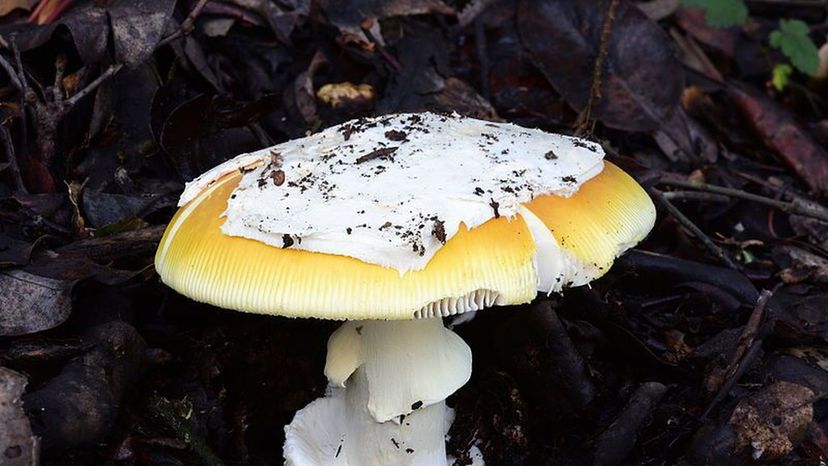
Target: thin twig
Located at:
point(12, 74)
point(695, 230)
point(471, 12)
point(743, 366)
point(390, 59)
point(595, 92)
point(186, 25)
point(566, 361)
point(26, 97)
point(797, 206)
point(746, 350)
point(110, 72)
point(21, 74)
point(189, 21)
point(60, 68)
point(165, 411)
point(695, 196)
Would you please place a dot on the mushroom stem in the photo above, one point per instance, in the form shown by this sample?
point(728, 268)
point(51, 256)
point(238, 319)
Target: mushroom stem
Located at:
point(396, 376)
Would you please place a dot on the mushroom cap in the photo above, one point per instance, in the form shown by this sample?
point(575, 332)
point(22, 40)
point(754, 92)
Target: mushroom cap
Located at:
point(562, 220)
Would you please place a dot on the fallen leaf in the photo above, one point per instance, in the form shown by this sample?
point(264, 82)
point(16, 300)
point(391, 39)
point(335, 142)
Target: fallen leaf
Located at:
point(8, 6)
point(693, 56)
point(800, 318)
point(682, 139)
point(457, 96)
point(721, 39)
point(347, 16)
point(102, 209)
point(14, 251)
point(780, 132)
point(423, 59)
point(300, 98)
point(815, 230)
point(110, 260)
point(80, 405)
point(134, 25)
point(721, 13)
point(801, 365)
point(800, 265)
point(87, 25)
point(773, 421)
point(18, 445)
point(204, 131)
point(657, 10)
point(217, 27)
point(137, 26)
point(641, 77)
point(282, 16)
point(32, 303)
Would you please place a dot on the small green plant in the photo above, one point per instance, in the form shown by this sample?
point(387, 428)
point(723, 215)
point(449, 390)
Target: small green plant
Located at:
point(780, 75)
point(721, 13)
point(791, 38)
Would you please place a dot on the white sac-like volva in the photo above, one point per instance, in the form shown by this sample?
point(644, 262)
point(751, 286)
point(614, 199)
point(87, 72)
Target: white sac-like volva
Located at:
point(392, 190)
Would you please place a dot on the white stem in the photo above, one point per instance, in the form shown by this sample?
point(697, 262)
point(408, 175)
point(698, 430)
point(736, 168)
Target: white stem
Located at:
point(391, 412)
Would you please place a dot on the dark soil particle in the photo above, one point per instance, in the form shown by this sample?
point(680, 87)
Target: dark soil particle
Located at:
point(495, 206)
point(584, 145)
point(395, 135)
point(278, 177)
point(439, 231)
point(384, 152)
point(275, 159)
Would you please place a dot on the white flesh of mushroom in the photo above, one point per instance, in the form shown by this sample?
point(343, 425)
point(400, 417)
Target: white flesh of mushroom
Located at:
point(391, 411)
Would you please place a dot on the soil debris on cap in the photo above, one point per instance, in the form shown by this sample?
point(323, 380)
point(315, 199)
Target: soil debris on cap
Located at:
point(385, 152)
point(278, 177)
point(495, 206)
point(395, 135)
point(439, 231)
point(275, 159)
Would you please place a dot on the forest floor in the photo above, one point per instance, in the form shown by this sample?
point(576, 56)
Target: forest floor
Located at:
point(706, 344)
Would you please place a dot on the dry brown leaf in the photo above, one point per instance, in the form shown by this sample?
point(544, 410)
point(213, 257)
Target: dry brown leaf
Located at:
point(8, 6)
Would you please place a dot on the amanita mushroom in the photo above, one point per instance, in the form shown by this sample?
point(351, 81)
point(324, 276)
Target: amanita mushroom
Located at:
point(391, 223)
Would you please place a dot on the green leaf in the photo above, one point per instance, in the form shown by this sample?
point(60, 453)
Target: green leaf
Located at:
point(721, 13)
point(792, 39)
point(781, 75)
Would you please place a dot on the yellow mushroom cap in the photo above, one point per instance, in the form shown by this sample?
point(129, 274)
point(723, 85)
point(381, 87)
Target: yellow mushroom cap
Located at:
point(495, 263)
point(457, 214)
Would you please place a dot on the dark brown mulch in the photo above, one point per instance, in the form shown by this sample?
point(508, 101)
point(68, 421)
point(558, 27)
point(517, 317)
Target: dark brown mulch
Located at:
point(704, 345)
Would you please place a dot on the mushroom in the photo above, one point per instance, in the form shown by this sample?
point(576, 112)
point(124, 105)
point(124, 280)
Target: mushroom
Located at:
point(391, 223)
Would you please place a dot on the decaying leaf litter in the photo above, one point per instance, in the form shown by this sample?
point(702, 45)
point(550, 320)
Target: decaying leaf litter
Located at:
point(705, 345)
